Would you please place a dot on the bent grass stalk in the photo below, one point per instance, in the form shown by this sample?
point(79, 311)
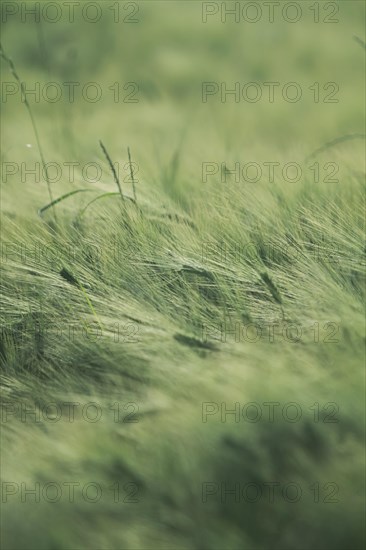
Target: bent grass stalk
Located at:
point(109, 160)
point(33, 122)
point(333, 143)
point(131, 172)
point(111, 194)
point(359, 41)
point(63, 197)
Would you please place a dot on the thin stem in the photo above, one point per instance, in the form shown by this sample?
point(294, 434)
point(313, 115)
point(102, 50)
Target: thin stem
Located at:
point(360, 42)
point(33, 122)
point(131, 172)
point(109, 160)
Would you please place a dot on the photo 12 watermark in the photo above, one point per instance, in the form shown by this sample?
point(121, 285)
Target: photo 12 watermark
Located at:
point(69, 92)
point(69, 412)
point(67, 172)
point(73, 491)
point(269, 411)
point(71, 12)
point(269, 172)
point(236, 252)
point(272, 492)
point(40, 330)
point(54, 255)
point(252, 333)
point(269, 92)
point(270, 12)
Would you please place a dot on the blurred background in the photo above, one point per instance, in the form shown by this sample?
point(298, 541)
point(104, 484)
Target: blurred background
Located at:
point(149, 60)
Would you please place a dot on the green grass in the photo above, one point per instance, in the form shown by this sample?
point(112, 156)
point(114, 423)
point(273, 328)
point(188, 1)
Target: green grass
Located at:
point(139, 282)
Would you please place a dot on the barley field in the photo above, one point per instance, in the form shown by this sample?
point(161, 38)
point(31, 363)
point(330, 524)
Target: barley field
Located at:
point(183, 275)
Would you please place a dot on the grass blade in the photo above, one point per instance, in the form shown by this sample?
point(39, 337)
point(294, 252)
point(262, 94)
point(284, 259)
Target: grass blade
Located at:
point(63, 197)
point(333, 143)
point(131, 172)
point(109, 160)
point(360, 42)
point(33, 122)
point(96, 199)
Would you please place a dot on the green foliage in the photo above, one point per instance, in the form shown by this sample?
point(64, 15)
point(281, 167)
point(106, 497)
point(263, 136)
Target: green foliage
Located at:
point(127, 301)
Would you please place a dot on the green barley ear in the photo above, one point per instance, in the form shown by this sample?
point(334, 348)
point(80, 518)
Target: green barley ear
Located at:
point(33, 122)
point(272, 287)
point(65, 274)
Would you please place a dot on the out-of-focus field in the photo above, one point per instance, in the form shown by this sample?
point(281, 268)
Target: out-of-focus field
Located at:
point(167, 53)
